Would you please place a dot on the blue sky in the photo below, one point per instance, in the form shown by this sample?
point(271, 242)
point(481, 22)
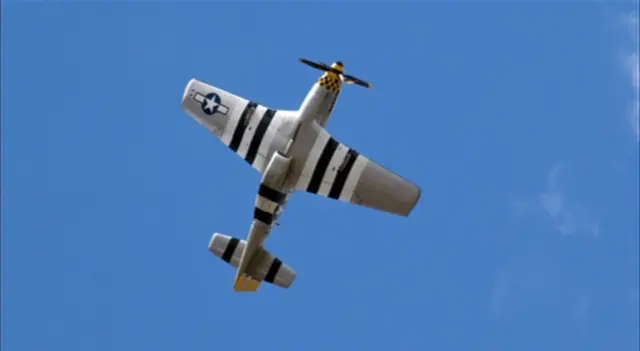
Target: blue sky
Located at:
point(516, 120)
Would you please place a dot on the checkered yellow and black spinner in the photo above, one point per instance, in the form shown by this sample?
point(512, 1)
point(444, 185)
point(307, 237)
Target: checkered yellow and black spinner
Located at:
point(331, 82)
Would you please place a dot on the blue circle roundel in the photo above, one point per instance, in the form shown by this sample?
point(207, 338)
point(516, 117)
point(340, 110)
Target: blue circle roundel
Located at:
point(212, 104)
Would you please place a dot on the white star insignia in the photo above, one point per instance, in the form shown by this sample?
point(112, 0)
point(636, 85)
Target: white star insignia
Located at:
point(211, 104)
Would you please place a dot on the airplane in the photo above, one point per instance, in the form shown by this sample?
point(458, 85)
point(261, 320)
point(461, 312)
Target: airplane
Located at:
point(293, 152)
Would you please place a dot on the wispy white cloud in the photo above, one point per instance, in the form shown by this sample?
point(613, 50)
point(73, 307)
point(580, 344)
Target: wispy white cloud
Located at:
point(525, 282)
point(499, 294)
point(632, 67)
point(582, 305)
point(553, 204)
point(528, 283)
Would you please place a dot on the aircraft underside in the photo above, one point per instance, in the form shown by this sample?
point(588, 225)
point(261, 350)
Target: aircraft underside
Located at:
point(293, 152)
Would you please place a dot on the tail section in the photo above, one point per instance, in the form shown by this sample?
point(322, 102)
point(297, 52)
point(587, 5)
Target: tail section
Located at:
point(229, 249)
point(264, 266)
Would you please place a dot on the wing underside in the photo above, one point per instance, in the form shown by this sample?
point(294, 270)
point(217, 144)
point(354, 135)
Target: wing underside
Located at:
point(251, 130)
point(336, 171)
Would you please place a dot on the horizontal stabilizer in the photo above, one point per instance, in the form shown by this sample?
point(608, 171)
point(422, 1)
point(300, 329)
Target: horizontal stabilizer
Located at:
point(227, 248)
point(263, 265)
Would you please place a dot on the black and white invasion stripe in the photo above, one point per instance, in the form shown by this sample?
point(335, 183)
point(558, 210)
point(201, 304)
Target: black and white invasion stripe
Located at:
point(272, 273)
point(267, 203)
point(227, 255)
point(248, 134)
point(332, 169)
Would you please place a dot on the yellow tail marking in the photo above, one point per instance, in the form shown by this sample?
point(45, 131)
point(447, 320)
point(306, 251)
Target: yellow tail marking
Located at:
point(245, 283)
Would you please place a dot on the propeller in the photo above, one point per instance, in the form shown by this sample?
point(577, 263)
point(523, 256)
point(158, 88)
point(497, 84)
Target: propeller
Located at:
point(348, 79)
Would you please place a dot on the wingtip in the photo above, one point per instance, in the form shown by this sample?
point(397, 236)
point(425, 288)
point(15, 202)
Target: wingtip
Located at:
point(418, 195)
point(213, 240)
point(185, 94)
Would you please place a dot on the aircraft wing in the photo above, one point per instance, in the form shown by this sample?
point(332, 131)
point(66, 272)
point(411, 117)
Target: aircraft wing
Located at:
point(337, 171)
point(248, 128)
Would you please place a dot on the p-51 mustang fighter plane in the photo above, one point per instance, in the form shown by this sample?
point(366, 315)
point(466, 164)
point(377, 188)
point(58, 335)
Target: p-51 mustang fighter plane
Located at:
point(293, 152)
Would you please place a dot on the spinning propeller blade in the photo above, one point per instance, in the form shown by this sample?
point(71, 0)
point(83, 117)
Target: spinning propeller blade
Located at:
point(321, 66)
point(348, 79)
point(353, 80)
